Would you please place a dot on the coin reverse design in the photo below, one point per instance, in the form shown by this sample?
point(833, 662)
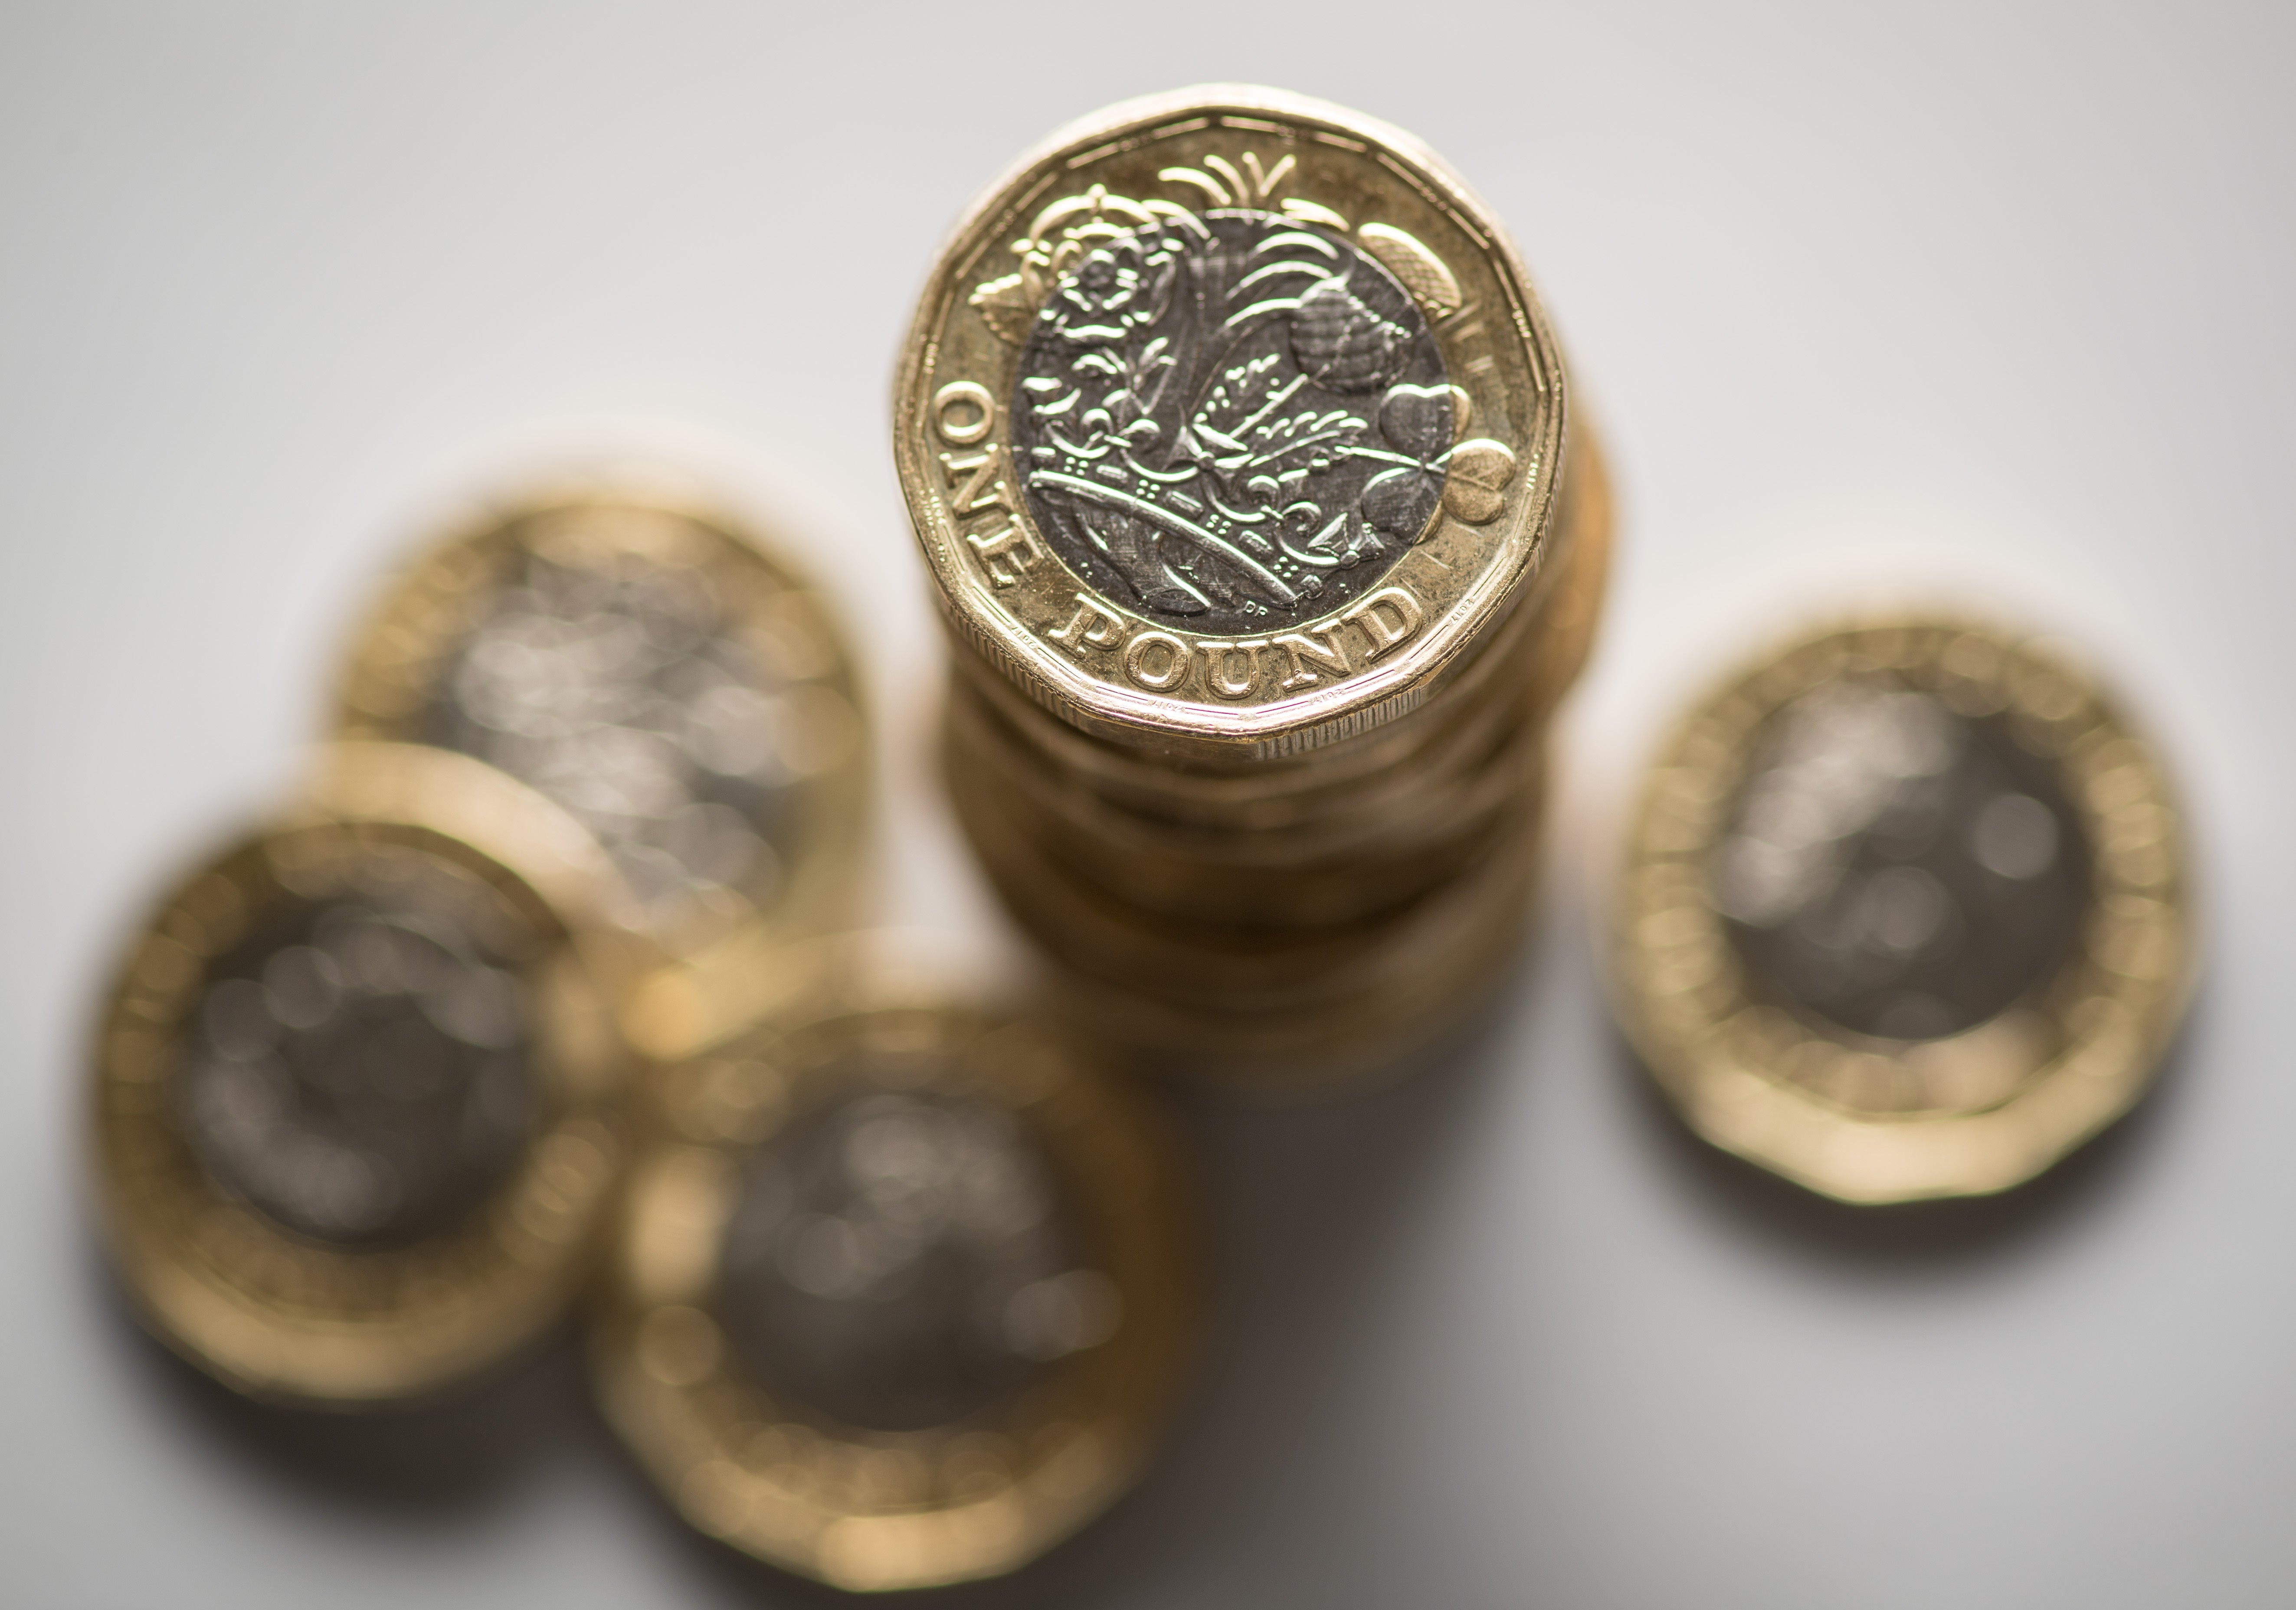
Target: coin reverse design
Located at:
point(1227, 420)
point(1197, 391)
point(1904, 912)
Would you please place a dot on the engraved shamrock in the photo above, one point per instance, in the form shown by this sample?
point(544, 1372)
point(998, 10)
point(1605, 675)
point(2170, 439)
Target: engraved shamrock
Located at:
point(1417, 422)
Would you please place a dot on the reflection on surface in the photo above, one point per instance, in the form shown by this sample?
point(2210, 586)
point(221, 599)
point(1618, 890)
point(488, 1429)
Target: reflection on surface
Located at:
point(1895, 867)
point(357, 1069)
point(621, 692)
point(901, 1260)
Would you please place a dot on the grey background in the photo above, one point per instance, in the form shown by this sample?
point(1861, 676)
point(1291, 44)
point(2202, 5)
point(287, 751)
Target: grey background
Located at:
point(1994, 300)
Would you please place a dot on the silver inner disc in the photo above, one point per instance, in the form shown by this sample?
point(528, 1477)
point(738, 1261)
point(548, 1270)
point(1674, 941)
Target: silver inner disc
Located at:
point(1231, 420)
point(359, 1069)
point(1898, 869)
point(627, 695)
point(899, 1261)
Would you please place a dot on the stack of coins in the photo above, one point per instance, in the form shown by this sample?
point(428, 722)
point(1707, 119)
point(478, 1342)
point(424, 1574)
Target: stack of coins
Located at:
point(1235, 439)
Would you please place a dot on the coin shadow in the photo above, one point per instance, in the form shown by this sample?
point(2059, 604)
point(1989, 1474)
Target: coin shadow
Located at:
point(1308, 1214)
point(442, 1464)
point(1913, 1235)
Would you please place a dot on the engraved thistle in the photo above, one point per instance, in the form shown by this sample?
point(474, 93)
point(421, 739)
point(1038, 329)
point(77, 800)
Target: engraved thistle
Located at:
point(1238, 410)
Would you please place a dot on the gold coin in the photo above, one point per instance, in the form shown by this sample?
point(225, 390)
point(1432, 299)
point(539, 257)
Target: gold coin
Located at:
point(656, 675)
point(1904, 913)
point(356, 1092)
point(1230, 426)
point(905, 1292)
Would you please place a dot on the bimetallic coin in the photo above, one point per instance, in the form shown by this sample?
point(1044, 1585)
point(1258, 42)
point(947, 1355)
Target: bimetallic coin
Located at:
point(655, 676)
point(1229, 425)
point(357, 1094)
point(1903, 914)
point(903, 1294)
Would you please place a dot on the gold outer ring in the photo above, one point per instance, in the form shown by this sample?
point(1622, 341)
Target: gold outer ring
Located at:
point(1514, 679)
point(876, 1510)
point(1005, 592)
point(278, 1317)
point(428, 608)
point(1867, 1120)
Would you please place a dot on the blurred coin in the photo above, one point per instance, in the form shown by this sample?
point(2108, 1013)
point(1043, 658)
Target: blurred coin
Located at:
point(1229, 425)
point(903, 1294)
point(357, 1090)
point(1904, 913)
point(653, 674)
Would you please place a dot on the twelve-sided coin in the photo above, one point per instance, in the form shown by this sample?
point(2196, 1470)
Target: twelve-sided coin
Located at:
point(357, 1092)
point(1904, 913)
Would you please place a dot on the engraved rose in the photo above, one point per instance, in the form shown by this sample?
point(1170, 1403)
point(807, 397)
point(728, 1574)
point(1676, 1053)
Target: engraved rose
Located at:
point(1059, 238)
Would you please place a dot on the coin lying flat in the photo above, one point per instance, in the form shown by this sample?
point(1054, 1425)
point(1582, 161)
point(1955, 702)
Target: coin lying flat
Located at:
point(653, 674)
point(1229, 424)
point(1904, 913)
point(358, 1090)
point(904, 1292)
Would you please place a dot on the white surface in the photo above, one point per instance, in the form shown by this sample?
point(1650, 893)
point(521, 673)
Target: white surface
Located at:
point(1997, 298)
